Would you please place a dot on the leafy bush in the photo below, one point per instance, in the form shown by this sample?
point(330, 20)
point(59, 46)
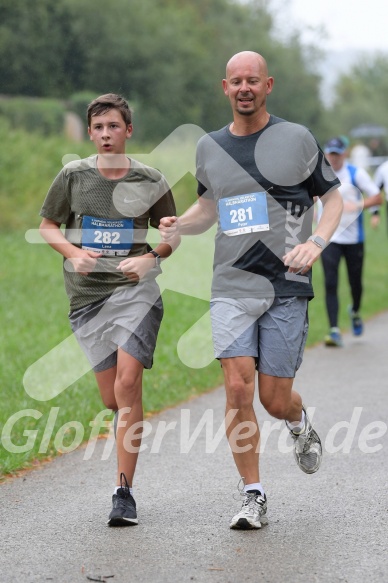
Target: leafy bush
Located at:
point(78, 103)
point(45, 116)
point(28, 165)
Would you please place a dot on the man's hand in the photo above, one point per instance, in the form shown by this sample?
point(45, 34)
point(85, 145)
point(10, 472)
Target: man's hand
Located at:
point(169, 228)
point(302, 257)
point(136, 268)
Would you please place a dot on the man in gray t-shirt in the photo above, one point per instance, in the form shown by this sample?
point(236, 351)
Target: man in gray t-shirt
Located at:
point(257, 178)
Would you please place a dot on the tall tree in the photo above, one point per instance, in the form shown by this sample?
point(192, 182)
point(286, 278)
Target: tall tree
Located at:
point(166, 56)
point(361, 94)
point(37, 45)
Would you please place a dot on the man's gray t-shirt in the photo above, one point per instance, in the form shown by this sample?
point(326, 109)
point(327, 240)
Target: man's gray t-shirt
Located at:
point(264, 186)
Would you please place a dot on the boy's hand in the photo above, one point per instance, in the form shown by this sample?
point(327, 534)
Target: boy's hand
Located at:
point(135, 268)
point(85, 261)
point(169, 228)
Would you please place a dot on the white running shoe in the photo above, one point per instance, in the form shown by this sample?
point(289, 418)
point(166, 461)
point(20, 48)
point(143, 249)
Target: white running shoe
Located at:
point(253, 511)
point(307, 447)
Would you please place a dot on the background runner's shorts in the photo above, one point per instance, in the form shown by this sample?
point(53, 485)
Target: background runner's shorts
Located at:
point(273, 331)
point(128, 319)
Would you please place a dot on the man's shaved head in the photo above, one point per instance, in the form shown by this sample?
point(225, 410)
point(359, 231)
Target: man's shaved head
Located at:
point(247, 58)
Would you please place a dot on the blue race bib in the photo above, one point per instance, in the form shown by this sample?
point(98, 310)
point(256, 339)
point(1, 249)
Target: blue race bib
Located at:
point(244, 213)
point(107, 236)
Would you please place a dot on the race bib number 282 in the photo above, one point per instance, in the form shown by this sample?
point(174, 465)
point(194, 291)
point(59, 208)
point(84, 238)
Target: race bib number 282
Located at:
point(107, 236)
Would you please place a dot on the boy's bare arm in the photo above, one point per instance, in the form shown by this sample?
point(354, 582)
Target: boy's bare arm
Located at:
point(82, 261)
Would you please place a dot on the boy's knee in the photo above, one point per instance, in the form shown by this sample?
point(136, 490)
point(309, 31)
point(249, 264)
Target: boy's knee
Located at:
point(110, 403)
point(128, 388)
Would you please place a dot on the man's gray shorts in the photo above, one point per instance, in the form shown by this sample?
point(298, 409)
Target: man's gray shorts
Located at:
point(273, 331)
point(129, 319)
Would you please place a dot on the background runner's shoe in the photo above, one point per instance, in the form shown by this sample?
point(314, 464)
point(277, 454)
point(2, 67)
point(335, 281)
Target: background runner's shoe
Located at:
point(307, 448)
point(357, 324)
point(124, 506)
point(253, 511)
point(334, 338)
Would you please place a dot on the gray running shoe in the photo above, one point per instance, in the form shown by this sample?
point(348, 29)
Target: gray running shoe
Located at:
point(307, 448)
point(124, 506)
point(253, 511)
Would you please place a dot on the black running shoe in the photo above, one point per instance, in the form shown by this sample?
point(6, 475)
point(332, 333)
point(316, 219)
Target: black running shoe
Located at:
point(124, 506)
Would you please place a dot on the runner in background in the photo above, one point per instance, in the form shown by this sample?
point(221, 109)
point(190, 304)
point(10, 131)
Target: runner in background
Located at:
point(381, 179)
point(348, 240)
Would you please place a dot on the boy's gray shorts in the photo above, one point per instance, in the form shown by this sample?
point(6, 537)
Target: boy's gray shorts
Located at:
point(273, 331)
point(128, 319)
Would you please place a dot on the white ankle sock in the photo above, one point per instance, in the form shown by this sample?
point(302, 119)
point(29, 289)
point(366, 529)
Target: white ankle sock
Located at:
point(254, 486)
point(297, 426)
point(118, 487)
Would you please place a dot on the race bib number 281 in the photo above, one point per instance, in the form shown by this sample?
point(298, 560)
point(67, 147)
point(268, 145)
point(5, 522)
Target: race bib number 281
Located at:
point(244, 213)
point(107, 236)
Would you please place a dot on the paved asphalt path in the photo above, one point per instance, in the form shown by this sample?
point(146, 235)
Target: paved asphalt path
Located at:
point(328, 527)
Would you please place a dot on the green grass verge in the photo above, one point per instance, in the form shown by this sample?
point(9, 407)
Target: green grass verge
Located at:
point(33, 313)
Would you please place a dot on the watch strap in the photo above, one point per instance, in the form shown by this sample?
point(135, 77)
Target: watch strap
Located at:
point(319, 241)
point(157, 257)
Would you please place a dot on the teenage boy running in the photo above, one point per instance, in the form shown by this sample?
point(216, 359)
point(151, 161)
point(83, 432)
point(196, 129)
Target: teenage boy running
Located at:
point(107, 202)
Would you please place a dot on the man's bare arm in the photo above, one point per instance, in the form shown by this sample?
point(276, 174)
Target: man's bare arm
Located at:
point(301, 258)
point(197, 219)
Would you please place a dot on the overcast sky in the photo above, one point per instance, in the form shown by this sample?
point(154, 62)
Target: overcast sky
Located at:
point(349, 24)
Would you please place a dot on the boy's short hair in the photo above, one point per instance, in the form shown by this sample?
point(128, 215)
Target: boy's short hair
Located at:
point(104, 103)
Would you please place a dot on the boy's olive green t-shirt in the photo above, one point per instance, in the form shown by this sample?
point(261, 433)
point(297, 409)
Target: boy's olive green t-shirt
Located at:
point(101, 213)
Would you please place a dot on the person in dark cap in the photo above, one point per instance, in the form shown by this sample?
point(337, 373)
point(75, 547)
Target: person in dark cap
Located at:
point(348, 239)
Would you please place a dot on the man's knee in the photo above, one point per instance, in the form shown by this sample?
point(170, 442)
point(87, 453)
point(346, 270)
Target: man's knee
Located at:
point(277, 409)
point(239, 394)
point(276, 401)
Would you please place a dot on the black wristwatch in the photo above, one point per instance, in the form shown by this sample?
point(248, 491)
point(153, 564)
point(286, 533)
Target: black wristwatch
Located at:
point(157, 257)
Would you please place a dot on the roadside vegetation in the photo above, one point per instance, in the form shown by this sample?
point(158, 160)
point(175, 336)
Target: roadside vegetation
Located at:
point(33, 310)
